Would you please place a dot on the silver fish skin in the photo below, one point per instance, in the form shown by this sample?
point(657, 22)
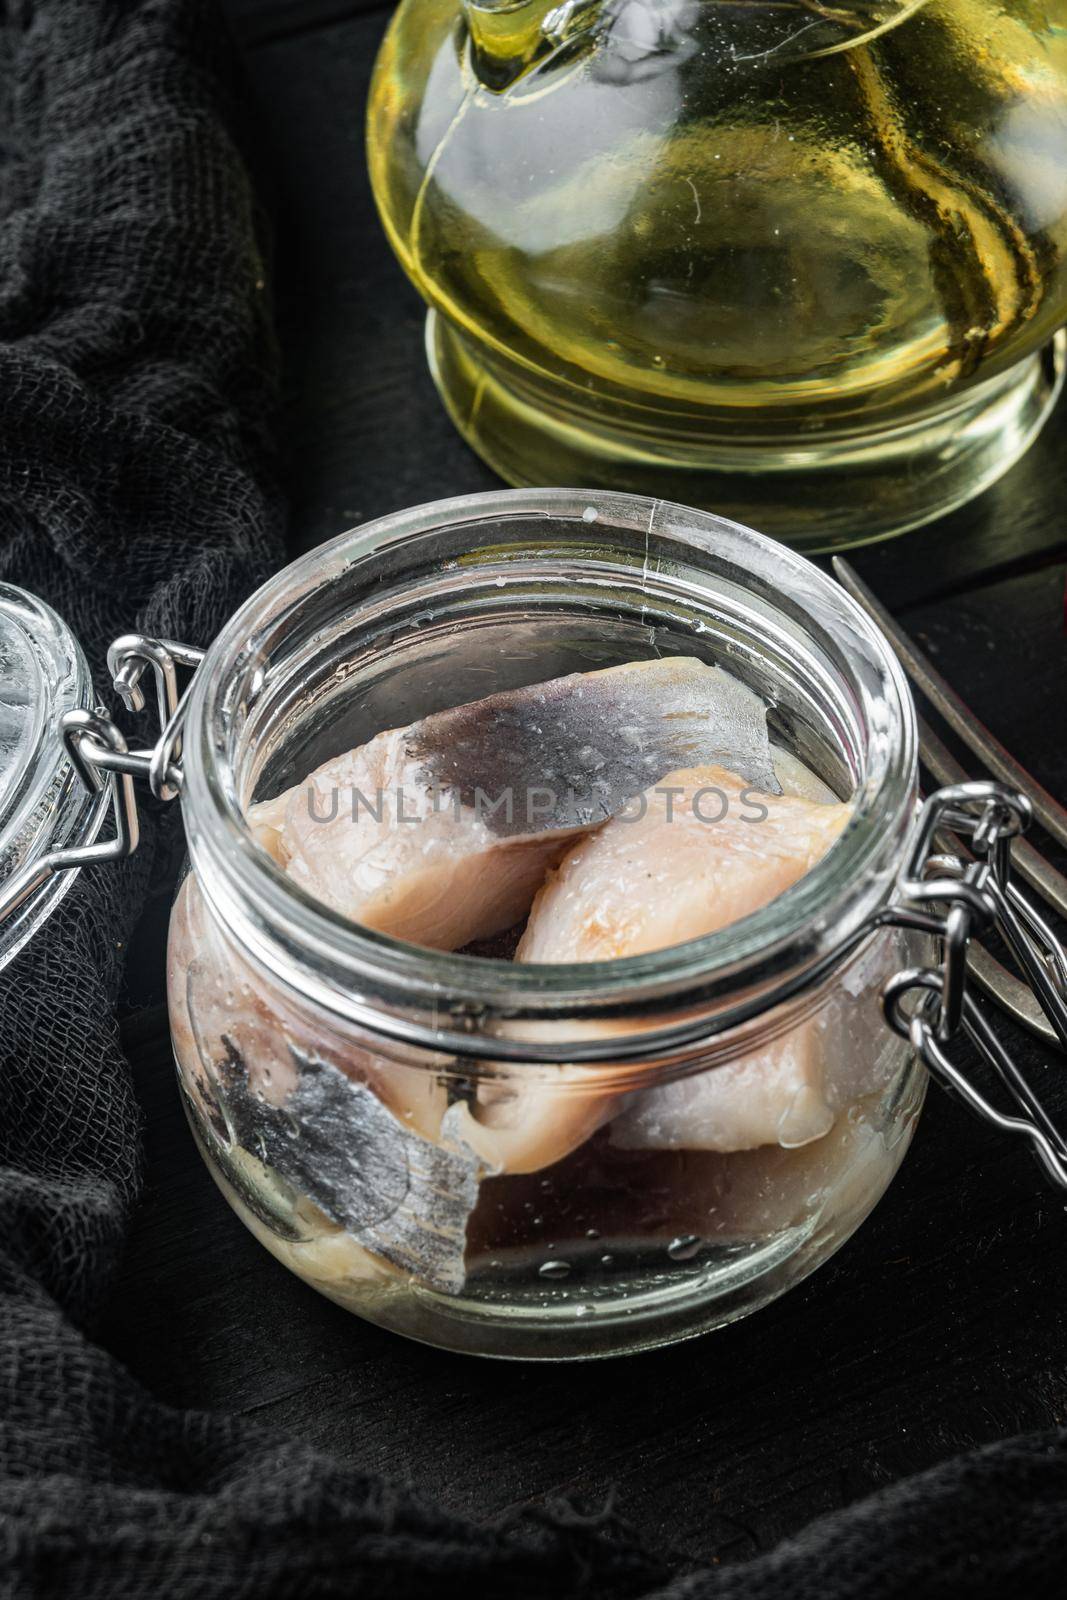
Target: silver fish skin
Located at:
point(441, 833)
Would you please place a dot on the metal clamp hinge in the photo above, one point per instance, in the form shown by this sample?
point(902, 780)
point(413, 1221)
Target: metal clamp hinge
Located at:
point(957, 895)
point(101, 758)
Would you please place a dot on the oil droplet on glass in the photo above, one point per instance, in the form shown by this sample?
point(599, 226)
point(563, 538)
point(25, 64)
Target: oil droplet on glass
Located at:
point(684, 1248)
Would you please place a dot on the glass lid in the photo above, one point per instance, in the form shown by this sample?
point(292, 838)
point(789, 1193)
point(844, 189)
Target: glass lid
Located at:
point(43, 674)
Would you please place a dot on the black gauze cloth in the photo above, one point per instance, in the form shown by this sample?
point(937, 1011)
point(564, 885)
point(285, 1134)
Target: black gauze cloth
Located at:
point(136, 389)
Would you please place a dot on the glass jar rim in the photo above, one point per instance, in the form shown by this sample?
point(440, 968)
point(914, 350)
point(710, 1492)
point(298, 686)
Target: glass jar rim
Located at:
point(456, 1001)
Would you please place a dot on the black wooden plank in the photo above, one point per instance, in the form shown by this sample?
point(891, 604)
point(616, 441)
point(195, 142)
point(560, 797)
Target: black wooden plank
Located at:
point(366, 434)
point(1018, 525)
point(1004, 648)
point(917, 1341)
point(256, 21)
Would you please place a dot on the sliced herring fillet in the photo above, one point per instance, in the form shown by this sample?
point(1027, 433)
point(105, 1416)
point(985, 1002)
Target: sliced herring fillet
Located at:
point(441, 833)
point(704, 851)
point(700, 852)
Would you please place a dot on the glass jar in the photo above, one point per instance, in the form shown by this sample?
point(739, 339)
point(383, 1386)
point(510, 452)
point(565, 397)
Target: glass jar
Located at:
point(803, 267)
point(334, 1077)
point(44, 807)
point(524, 1160)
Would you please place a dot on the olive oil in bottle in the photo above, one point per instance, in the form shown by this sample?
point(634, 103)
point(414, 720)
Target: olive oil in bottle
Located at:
point(801, 264)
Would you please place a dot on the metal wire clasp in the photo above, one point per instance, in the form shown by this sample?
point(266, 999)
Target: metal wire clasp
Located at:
point(127, 661)
point(100, 756)
point(973, 890)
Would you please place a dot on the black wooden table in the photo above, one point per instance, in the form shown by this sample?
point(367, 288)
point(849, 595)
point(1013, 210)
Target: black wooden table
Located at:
point(941, 1325)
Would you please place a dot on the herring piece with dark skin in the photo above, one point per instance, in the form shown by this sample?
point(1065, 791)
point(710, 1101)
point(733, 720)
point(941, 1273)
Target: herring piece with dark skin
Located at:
point(442, 832)
point(593, 740)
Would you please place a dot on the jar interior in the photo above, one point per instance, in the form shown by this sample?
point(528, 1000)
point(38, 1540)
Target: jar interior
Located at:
point(609, 1250)
point(524, 610)
point(447, 604)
